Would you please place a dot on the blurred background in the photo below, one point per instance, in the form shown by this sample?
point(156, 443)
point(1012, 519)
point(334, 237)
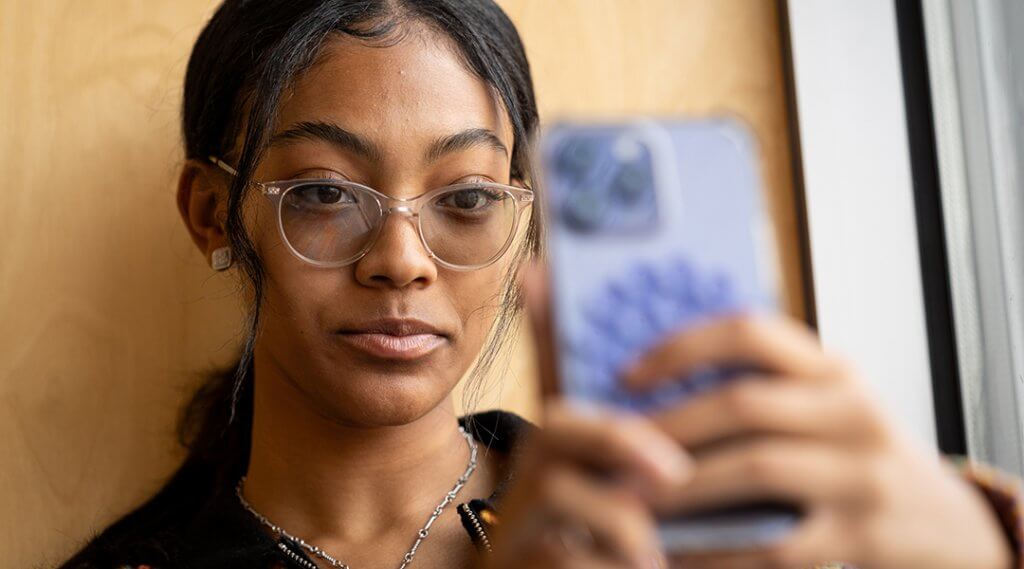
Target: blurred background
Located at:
point(889, 136)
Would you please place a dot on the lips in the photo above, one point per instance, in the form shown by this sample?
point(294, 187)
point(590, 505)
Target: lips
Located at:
point(394, 338)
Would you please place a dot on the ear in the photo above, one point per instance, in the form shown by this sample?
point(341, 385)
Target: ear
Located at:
point(202, 203)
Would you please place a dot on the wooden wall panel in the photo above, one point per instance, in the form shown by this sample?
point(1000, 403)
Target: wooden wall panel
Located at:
point(675, 58)
point(108, 312)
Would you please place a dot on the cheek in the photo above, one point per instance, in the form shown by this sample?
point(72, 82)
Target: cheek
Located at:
point(293, 290)
point(477, 297)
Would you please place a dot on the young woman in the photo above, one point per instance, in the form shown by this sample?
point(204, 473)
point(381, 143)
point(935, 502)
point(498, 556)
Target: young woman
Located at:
point(364, 166)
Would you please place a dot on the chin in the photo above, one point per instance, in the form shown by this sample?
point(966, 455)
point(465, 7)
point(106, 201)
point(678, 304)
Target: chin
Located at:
point(381, 398)
point(352, 389)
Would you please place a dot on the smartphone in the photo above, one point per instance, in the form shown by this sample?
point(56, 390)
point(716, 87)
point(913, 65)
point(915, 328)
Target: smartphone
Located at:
point(655, 226)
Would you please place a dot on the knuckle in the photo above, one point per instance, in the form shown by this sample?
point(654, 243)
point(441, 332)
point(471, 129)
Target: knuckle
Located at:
point(864, 420)
point(622, 430)
point(621, 435)
point(743, 401)
point(747, 328)
point(633, 432)
point(763, 464)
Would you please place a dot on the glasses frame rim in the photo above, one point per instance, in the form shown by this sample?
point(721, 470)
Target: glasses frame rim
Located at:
point(275, 191)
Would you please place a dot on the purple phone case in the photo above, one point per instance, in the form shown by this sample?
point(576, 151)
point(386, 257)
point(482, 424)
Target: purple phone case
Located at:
point(654, 226)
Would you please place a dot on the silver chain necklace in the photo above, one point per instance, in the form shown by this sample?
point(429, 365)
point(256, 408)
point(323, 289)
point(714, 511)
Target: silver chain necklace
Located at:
point(420, 536)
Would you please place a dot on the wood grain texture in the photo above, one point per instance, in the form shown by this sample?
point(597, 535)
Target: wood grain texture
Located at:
point(109, 313)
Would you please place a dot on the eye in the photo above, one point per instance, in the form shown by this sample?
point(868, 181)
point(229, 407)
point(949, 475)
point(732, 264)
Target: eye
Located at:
point(321, 197)
point(331, 194)
point(471, 199)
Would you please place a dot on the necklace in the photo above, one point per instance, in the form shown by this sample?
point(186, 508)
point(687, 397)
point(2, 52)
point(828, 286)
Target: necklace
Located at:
point(420, 535)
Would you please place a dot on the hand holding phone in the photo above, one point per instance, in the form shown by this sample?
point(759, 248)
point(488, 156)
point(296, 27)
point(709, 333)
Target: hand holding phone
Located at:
point(656, 227)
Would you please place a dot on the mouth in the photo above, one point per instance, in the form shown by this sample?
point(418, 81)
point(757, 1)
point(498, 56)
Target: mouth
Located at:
point(394, 338)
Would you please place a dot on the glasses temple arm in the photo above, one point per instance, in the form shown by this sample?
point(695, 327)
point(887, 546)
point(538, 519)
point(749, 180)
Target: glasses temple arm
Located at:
point(223, 165)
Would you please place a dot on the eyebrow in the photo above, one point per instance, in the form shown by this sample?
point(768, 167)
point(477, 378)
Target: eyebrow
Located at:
point(334, 134)
point(463, 140)
point(329, 132)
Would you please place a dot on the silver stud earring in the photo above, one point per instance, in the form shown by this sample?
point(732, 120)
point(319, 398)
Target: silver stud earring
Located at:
point(221, 258)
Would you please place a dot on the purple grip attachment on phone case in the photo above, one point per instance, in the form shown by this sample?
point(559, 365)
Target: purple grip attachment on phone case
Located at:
point(631, 314)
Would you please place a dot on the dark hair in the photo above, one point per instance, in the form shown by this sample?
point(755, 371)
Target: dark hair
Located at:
point(242, 62)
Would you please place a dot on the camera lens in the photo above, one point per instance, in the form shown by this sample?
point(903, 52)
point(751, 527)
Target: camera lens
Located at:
point(575, 156)
point(632, 183)
point(583, 211)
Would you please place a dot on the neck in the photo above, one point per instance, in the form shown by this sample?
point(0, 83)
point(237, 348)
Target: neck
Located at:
point(321, 479)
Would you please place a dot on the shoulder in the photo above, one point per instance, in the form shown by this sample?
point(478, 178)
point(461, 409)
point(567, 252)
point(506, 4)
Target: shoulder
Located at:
point(214, 538)
point(502, 432)
point(117, 548)
point(498, 430)
point(505, 433)
point(182, 526)
point(149, 534)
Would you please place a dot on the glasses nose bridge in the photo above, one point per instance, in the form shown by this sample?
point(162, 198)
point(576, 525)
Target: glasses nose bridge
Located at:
point(405, 210)
point(408, 207)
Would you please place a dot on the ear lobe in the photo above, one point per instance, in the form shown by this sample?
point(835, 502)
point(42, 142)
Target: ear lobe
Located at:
point(202, 203)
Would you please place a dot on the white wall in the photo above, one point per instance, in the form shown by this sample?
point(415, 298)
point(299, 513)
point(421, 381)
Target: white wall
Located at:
point(859, 196)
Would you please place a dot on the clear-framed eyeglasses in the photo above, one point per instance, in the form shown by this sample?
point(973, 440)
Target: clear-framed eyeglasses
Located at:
point(332, 223)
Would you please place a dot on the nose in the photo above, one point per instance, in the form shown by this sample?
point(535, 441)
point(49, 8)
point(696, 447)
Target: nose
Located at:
point(398, 258)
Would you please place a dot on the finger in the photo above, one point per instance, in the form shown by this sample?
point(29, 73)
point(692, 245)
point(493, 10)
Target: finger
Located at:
point(619, 524)
point(548, 552)
point(806, 474)
point(616, 442)
point(544, 553)
point(758, 405)
point(774, 345)
point(616, 525)
point(536, 294)
point(814, 544)
point(589, 562)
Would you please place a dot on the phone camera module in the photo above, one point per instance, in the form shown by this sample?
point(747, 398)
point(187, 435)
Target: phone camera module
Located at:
point(605, 184)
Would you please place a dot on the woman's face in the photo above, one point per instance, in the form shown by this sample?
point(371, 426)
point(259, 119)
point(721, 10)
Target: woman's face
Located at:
point(399, 103)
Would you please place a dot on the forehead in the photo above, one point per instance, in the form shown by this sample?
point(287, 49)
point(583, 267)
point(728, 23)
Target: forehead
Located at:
point(405, 92)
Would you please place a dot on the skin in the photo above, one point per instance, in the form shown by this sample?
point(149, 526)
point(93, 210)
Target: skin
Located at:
point(351, 453)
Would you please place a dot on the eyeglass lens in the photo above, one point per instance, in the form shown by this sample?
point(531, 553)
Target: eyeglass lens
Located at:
point(328, 223)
